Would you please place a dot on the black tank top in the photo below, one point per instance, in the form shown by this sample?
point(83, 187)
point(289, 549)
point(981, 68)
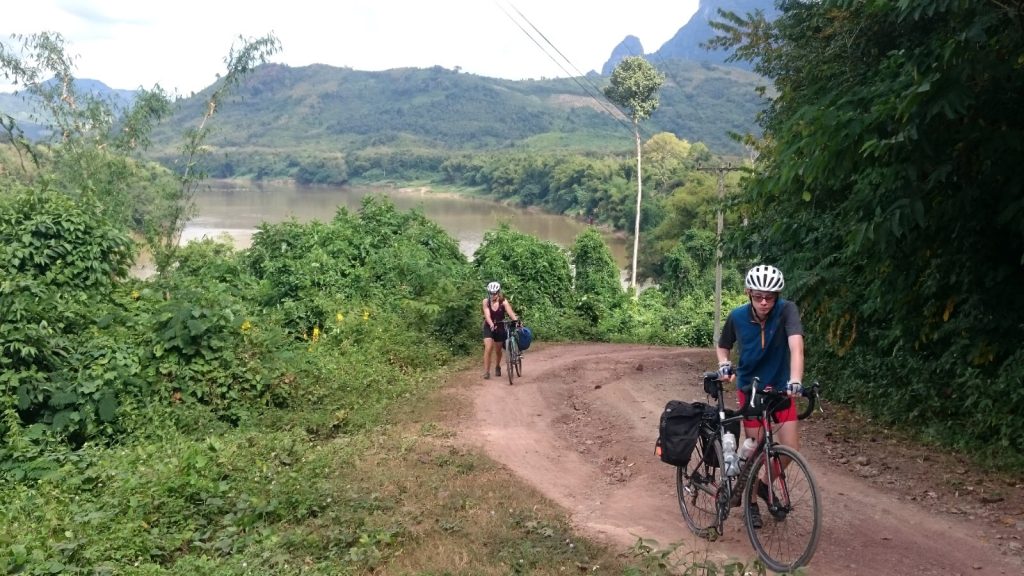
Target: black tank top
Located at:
point(496, 315)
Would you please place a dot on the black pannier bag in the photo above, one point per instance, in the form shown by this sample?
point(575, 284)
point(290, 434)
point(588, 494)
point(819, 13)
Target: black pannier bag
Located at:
point(678, 430)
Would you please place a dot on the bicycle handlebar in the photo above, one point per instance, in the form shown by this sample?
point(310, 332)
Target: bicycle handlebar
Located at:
point(753, 408)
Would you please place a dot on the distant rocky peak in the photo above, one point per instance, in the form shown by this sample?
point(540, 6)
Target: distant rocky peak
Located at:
point(631, 46)
point(687, 42)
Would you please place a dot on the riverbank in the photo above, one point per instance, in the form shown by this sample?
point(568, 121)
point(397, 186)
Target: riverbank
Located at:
point(234, 209)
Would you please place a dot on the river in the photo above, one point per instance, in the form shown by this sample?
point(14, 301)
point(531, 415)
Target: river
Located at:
point(236, 208)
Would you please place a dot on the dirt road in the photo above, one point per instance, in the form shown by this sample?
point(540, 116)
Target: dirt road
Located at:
point(580, 425)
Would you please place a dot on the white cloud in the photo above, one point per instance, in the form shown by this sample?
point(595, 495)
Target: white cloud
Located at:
point(182, 45)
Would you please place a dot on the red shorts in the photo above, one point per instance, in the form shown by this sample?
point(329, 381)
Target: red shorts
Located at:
point(784, 415)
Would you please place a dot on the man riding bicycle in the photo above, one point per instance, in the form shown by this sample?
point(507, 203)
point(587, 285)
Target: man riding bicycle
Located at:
point(771, 350)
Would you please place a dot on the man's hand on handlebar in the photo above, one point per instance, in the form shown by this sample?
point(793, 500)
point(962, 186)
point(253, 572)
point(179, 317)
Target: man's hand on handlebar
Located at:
point(725, 371)
point(794, 388)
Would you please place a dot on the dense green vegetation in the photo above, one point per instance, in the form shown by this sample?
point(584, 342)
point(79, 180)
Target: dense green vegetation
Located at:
point(213, 418)
point(888, 191)
point(140, 408)
point(216, 418)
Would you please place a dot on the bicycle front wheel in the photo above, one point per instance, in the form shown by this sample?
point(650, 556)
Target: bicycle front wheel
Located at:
point(792, 521)
point(697, 486)
point(519, 360)
point(510, 359)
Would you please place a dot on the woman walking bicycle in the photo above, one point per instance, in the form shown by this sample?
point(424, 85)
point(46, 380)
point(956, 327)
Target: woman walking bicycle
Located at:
point(495, 307)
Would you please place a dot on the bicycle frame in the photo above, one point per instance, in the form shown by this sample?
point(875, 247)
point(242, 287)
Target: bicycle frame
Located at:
point(734, 485)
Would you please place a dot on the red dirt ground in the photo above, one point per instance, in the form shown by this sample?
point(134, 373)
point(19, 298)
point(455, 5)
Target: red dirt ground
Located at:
point(580, 425)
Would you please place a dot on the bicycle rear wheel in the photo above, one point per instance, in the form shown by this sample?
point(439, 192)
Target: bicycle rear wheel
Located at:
point(697, 486)
point(792, 524)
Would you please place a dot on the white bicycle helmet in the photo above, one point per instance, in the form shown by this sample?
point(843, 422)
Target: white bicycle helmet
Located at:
point(493, 288)
point(765, 278)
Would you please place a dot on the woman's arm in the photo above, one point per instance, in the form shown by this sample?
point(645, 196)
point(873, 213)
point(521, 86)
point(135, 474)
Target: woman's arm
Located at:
point(487, 314)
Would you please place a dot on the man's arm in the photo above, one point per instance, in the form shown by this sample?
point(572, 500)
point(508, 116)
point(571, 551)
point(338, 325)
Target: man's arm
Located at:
point(724, 347)
point(796, 358)
point(723, 354)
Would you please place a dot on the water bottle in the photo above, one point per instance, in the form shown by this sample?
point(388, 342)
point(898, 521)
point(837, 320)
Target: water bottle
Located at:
point(730, 464)
point(747, 449)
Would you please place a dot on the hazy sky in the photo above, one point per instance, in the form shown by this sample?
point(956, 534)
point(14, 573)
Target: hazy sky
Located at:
point(182, 44)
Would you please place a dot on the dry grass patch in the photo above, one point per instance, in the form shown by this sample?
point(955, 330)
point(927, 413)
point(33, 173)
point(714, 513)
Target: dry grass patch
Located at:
point(454, 511)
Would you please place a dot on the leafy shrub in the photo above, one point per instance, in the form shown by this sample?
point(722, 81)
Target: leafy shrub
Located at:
point(533, 274)
point(596, 278)
point(310, 273)
point(203, 339)
point(48, 236)
point(60, 369)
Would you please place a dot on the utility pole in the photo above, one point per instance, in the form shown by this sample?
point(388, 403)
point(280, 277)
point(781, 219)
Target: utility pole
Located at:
point(720, 170)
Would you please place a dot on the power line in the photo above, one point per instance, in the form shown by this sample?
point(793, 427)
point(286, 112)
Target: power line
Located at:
point(601, 101)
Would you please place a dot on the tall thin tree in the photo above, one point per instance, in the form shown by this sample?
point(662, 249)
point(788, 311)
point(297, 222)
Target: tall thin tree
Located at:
point(634, 86)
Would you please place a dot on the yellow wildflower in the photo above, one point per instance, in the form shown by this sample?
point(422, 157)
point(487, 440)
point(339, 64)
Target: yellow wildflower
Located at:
point(316, 333)
point(339, 316)
point(135, 294)
point(366, 315)
point(246, 326)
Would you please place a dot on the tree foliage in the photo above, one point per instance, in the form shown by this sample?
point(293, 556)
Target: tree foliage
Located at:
point(533, 273)
point(596, 279)
point(634, 86)
point(888, 190)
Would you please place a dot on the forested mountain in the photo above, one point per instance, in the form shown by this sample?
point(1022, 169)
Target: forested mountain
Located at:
point(20, 106)
point(319, 108)
point(324, 108)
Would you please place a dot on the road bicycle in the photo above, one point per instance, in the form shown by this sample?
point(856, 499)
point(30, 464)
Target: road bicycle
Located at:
point(790, 531)
point(513, 355)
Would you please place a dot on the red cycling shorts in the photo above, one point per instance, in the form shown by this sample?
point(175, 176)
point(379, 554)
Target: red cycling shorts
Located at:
point(784, 415)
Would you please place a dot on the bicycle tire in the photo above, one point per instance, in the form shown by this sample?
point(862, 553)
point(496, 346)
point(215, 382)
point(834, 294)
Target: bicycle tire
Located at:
point(519, 361)
point(510, 359)
point(697, 486)
point(786, 541)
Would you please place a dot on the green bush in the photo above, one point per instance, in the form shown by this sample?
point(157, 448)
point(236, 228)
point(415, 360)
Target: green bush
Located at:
point(534, 274)
point(596, 278)
point(63, 366)
point(62, 243)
